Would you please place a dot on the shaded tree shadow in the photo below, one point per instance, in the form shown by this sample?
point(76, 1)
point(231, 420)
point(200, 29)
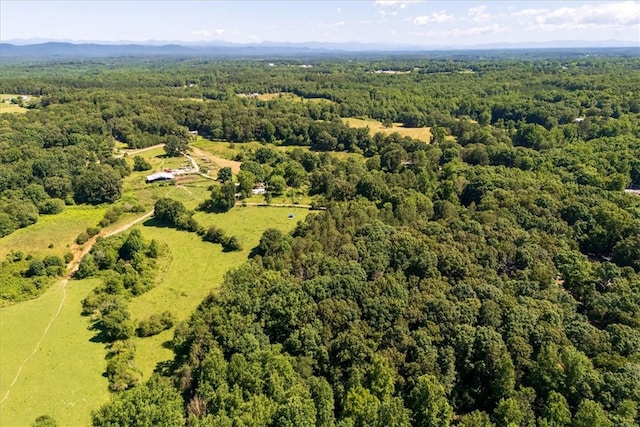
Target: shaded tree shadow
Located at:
point(100, 337)
point(255, 251)
point(154, 222)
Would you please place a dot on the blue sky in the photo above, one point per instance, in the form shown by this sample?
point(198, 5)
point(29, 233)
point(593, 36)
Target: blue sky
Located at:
point(419, 23)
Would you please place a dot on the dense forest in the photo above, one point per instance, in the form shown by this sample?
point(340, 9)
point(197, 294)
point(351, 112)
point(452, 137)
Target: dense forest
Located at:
point(487, 277)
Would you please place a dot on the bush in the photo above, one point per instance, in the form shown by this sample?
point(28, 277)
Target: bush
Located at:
point(140, 164)
point(36, 268)
point(232, 244)
point(214, 235)
point(122, 372)
point(92, 231)
point(82, 238)
point(54, 270)
point(15, 256)
point(68, 257)
point(53, 260)
point(51, 206)
point(110, 216)
point(87, 267)
point(155, 324)
point(44, 421)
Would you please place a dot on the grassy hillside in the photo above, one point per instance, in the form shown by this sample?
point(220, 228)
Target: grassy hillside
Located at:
point(63, 378)
point(59, 230)
point(197, 268)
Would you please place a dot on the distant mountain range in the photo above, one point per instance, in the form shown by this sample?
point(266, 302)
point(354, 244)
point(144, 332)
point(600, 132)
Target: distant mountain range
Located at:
point(65, 49)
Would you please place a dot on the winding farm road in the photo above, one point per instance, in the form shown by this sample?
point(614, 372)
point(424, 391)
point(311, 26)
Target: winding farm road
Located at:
point(78, 253)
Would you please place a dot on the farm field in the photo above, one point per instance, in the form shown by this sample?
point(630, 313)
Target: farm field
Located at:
point(196, 268)
point(63, 378)
point(284, 96)
point(37, 390)
point(60, 230)
point(423, 134)
point(228, 150)
point(11, 108)
point(7, 107)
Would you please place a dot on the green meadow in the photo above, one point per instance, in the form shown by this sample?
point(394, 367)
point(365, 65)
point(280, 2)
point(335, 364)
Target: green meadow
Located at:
point(59, 230)
point(63, 378)
point(197, 268)
point(61, 371)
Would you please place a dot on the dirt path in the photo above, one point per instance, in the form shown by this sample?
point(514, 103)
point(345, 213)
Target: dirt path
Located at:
point(78, 252)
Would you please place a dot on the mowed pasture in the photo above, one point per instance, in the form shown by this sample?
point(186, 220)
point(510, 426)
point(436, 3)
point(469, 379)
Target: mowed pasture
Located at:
point(196, 268)
point(59, 230)
point(11, 108)
point(63, 378)
point(423, 134)
point(212, 162)
point(7, 107)
point(227, 150)
point(285, 96)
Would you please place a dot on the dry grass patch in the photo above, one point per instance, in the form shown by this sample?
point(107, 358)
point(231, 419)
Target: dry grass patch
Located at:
point(423, 134)
point(213, 162)
point(11, 108)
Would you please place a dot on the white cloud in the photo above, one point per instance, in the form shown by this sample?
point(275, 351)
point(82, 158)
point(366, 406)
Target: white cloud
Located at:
point(598, 16)
point(530, 12)
point(219, 31)
point(478, 14)
point(435, 17)
point(401, 4)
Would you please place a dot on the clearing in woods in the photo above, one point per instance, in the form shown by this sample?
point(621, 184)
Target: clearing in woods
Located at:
point(423, 134)
point(216, 161)
point(197, 267)
point(7, 107)
point(283, 96)
point(53, 380)
point(59, 229)
point(63, 378)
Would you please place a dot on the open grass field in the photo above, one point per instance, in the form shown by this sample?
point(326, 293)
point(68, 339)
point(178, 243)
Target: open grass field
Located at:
point(63, 378)
point(7, 107)
point(228, 150)
point(423, 134)
point(214, 163)
point(289, 97)
point(198, 267)
point(11, 108)
point(191, 190)
point(60, 229)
